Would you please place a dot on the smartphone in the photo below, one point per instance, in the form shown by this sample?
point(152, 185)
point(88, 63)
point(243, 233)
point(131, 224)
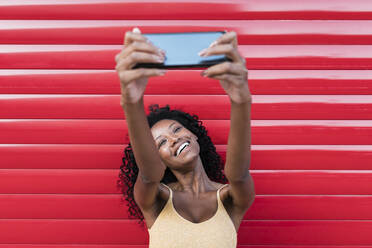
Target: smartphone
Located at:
point(181, 49)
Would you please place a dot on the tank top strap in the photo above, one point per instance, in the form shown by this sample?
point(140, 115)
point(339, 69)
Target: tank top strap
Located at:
point(170, 190)
point(218, 191)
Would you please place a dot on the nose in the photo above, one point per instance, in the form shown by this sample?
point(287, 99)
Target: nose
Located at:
point(174, 140)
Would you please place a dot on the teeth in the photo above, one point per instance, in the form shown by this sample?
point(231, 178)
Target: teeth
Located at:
point(181, 147)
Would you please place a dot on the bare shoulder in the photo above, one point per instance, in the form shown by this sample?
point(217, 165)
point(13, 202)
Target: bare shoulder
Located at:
point(164, 192)
point(224, 191)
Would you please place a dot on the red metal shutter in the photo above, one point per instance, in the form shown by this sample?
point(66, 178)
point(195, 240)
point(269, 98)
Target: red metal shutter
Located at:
point(62, 130)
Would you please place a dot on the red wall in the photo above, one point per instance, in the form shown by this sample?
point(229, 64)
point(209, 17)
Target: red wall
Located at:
point(62, 130)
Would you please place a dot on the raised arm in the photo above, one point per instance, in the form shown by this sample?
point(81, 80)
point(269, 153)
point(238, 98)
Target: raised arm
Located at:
point(233, 78)
point(238, 154)
point(151, 168)
point(133, 83)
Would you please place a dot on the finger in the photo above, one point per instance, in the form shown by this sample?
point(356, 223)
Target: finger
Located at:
point(137, 57)
point(225, 49)
point(225, 77)
point(129, 37)
point(140, 47)
point(225, 68)
point(129, 76)
point(229, 37)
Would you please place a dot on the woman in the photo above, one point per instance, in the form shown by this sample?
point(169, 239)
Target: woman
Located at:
point(172, 153)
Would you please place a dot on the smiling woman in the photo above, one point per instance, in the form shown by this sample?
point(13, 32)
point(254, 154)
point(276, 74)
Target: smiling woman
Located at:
point(172, 175)
point(184, 126)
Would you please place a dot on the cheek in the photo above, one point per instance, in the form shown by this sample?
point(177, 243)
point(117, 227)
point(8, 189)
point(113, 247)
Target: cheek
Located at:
point(164, 152)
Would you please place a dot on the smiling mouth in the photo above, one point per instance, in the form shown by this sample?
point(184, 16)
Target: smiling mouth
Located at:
point(182, 147)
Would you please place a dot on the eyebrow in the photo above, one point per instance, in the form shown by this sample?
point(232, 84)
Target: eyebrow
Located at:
point(168, 128)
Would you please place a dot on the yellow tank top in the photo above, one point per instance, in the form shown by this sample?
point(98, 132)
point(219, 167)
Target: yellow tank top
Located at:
point(171, 230)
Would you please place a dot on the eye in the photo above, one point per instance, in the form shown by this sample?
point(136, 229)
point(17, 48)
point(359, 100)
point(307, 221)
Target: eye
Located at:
point(161, 143)
point(177, 129)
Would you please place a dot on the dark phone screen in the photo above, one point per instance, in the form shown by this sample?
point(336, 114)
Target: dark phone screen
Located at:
point(182, 49)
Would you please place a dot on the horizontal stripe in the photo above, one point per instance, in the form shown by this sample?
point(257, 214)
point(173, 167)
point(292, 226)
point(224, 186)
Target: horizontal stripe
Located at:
point(273, 182)
point(263, 157)
point(297, 232)
point(130, 233)
point(316, 107)
point(184, 82)
point(264, 132)
point(108, 206)
point(102, 246)
point(257, 56)
point(146, 246)
point(268, 32)
point(97, 246)
point(187, 9)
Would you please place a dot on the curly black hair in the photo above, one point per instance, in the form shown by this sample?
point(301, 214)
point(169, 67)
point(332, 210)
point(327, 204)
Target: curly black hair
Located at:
point(212, 161)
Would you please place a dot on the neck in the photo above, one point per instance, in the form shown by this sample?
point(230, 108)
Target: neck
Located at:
point(194, 181)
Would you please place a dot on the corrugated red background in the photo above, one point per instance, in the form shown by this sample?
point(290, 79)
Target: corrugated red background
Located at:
point(62, 130)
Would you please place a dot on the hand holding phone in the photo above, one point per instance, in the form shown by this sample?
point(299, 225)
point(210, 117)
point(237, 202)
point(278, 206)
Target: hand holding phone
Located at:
point(181, 49)
point(136, 50)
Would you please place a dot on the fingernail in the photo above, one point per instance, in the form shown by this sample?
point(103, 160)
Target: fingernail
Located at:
point(161, 51)
point(160, 59)
point(202, 53)
point(136, 30)
point(213, 43)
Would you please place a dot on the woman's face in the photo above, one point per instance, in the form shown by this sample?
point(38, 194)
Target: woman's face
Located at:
point(176, 144)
